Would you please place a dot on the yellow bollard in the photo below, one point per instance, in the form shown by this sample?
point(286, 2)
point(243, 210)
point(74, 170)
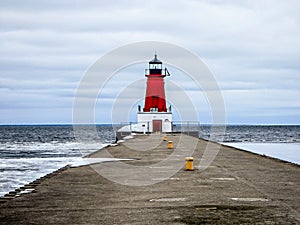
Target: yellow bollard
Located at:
point(189, 163)
point(165, 138)
point(170, 144)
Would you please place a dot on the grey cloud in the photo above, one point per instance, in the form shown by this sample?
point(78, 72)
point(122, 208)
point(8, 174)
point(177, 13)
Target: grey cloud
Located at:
point(251, 46)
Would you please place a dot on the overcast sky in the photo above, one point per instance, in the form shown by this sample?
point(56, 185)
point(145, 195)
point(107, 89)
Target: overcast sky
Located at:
point(252, 47)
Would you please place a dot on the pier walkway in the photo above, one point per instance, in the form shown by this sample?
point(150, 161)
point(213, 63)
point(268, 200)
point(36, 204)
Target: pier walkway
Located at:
point(238, 187)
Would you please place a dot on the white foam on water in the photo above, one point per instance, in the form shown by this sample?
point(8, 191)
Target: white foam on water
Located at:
point(30, 152)
point(17, 172)
point(286, 151)
point(52, 148)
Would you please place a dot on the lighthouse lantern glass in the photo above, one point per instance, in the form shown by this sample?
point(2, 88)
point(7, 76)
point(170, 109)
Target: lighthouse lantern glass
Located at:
point(155, 66)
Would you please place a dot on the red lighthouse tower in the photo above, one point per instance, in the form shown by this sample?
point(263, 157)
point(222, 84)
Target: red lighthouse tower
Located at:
point(155, 115)
point(155, 93)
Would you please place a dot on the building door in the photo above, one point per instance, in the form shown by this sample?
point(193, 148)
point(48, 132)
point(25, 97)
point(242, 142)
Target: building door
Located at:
point(157, 125)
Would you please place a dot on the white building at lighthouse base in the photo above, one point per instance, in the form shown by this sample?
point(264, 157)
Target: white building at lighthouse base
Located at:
point(150, 122)
point(155, 122)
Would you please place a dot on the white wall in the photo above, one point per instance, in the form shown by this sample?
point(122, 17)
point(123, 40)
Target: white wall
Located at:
point(146, 120)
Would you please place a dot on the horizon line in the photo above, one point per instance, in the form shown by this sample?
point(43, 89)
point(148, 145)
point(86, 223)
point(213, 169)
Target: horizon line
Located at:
point(205, 124)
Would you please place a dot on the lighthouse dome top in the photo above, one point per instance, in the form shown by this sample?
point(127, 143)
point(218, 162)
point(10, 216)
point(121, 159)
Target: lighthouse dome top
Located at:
point(155, 60)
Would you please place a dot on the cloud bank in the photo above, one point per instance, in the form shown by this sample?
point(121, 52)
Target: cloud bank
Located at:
point(252, 47)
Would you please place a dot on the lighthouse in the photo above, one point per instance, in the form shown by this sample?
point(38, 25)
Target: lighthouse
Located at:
point(155, 116)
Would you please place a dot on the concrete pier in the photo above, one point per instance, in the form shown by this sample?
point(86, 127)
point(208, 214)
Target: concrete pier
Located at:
point(238, 187)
